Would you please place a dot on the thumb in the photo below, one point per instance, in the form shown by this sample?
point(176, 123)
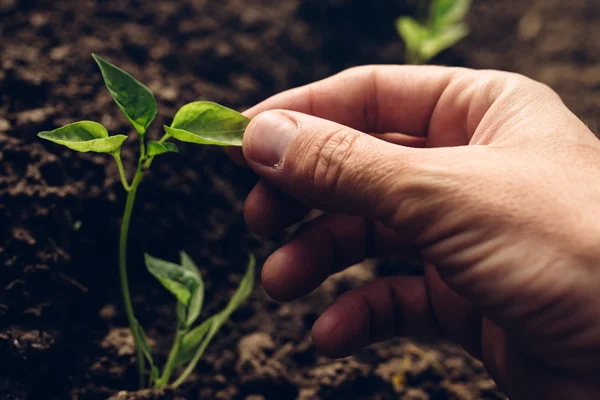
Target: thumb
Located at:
point(332, 167)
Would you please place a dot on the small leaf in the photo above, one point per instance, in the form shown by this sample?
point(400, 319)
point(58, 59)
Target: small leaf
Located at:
point(143, 343)
point(85, 136)
point(197, 298)
point(413, 34)
point(448, 12)
point(198, 339)
point(178, 280)
point(192, 340)
point(204, 122)
point(443, 40)
point(244, 290)
point(171, 147)
point(156, 148)
point(133, 98)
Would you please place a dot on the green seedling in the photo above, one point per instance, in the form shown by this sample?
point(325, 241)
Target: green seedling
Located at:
point(443, 28)
point(201, 122)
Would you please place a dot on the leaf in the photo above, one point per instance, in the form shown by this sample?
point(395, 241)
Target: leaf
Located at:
point(171, 147)
point(178, 280)
point(197, 298)
point(443, 40)
point(198, 339)
point(244, 290)
point(192, 340)
point(143, 343)
point(413, 34)
point(134, 99)
point(448, 12)
point(204, 122)
point(156, 148)
point(85, 136)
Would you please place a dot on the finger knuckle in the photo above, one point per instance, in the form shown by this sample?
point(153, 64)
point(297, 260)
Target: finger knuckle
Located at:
point(518, 85)
point(328, 156)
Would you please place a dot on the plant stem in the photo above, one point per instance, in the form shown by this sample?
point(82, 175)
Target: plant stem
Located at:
point(165, 137)
point(170, 365)
point(126, 184)
point(139, 174)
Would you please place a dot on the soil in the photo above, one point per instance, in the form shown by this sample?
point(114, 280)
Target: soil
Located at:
point(62, 329)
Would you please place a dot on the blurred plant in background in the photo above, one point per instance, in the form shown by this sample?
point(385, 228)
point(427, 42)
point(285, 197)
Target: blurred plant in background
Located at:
point(443, 28)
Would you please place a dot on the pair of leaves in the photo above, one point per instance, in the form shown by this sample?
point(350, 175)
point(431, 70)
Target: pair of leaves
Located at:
point(195, 341)
point(443, 30)
point(184, 281)
point(199, 122)
point(134, 99)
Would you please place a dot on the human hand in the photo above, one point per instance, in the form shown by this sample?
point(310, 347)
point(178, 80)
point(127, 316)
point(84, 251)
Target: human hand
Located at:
point(484, 175)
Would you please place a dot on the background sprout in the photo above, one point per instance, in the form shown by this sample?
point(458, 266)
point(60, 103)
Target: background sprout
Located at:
point(443, 28)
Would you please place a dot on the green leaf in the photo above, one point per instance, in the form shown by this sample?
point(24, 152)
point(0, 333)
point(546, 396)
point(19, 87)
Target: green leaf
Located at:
point(244, 290)
point(204, 122)
point(448, 12)
point(192, 340)
point(443, 40)
point(156, 148)
point(143, 343)
point(171, 147)
point(133, 98)
point(178, 280)
point(85, 136)
point(197, 298)
point(198, 339)
point(413, 34)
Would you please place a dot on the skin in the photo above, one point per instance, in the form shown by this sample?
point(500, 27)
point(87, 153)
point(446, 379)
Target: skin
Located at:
point(485, 176)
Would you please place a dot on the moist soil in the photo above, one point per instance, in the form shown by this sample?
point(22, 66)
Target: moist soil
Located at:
point(62, 330)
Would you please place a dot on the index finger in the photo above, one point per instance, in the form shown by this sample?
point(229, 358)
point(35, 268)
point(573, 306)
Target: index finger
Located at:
point(379, 99)
point(371, 99)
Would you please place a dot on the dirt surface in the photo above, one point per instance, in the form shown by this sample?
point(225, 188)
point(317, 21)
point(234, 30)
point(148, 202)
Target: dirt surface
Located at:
point(62, 330)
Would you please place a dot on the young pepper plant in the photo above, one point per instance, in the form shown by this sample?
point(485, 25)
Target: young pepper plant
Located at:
point(203, 123)
point(444, 28)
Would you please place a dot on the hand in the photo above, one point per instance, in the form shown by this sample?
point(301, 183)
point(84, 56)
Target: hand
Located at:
point(484, 175)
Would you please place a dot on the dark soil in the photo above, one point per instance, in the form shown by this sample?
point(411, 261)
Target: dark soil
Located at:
point(62, 331)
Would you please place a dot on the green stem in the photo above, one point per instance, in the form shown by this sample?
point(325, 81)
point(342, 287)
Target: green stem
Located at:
point(139, 174)
point(123, 273)
point(126, 184)
point(171, 361)
point(165, 137)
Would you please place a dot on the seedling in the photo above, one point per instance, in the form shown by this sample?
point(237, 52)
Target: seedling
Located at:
point(203, 123)
point(444, 28)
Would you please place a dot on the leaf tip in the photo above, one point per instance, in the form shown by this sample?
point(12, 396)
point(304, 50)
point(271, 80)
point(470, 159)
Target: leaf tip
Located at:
point(97, 58)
